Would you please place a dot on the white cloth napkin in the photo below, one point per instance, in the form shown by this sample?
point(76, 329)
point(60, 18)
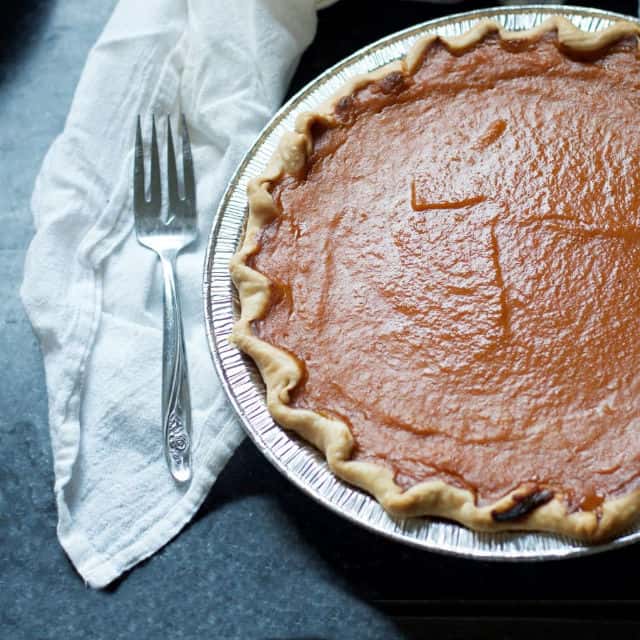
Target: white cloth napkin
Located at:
point(94, 295)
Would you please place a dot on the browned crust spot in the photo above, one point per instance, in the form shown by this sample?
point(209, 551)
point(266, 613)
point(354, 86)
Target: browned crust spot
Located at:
point(523, 505)
point(537, 510)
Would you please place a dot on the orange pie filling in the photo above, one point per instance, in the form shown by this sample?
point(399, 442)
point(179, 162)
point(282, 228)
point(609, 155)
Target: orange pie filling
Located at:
point(457, 270)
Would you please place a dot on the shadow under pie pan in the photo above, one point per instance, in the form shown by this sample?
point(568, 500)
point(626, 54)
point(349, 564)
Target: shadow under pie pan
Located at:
point(297, 460)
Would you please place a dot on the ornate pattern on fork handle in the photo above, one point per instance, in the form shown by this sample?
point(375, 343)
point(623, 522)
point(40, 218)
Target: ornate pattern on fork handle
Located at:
point(178, 438)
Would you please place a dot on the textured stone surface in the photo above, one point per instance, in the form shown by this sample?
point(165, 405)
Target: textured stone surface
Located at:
point(261, 560)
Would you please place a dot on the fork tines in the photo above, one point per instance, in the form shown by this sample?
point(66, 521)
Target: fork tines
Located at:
point(184, 206)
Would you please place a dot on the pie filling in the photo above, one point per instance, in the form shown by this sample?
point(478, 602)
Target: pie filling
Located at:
point(458, 271)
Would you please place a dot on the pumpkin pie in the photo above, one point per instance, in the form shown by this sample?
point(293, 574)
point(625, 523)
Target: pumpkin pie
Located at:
point(440, 280)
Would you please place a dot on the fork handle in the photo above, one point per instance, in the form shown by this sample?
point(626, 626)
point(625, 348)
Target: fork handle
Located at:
point(176, 401)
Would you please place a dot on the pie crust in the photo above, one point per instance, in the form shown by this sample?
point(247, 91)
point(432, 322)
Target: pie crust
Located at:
point(525, 508)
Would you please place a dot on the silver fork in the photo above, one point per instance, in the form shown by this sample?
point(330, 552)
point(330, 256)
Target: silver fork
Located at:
point(167, 237)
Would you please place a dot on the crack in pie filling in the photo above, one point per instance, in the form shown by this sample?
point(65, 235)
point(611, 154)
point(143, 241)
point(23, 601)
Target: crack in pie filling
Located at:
point(440, 280)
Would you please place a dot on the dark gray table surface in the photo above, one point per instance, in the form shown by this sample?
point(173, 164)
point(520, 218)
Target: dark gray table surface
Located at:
point(260, 560)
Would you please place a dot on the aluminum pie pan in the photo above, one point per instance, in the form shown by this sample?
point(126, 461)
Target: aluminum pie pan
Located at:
point(297, 460)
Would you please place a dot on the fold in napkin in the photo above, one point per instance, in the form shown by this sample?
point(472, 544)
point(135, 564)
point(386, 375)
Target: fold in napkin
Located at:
point(94, 296)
